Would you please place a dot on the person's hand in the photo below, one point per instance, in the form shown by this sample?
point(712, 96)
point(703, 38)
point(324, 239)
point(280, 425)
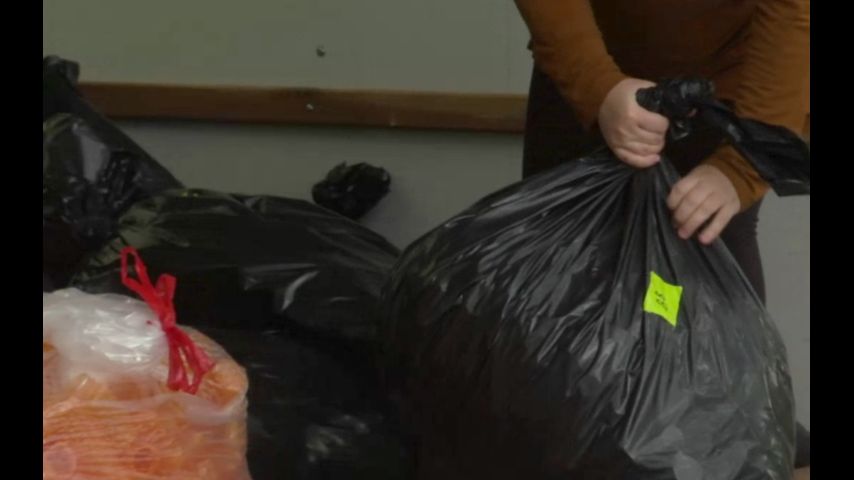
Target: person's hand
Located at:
point(704, 195)
point(634, 134)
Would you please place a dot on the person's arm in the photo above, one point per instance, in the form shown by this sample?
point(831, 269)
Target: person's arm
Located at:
point(773, 89)
point(568, 47)
point(774, 84)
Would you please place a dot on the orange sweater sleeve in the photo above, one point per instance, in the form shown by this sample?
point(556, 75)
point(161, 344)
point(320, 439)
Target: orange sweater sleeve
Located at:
point(569, 48)
point(774, 84)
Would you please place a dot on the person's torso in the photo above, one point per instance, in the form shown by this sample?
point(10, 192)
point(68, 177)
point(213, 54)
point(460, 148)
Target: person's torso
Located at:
point(654, 39)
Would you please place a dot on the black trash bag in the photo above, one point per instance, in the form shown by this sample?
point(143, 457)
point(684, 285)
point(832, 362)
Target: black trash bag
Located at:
point(92, 173)
point(315, 409)
point(87, 184)
point(353, 190)
point(252, 262)
point(560, 328)
point(59, 86)
point(779, 156)
point(60, 96)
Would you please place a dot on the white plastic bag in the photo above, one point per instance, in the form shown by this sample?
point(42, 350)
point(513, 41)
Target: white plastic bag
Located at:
point(108, 411)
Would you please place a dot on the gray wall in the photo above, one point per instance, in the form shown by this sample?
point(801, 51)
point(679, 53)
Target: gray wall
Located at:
point(436, 45)
point(435, 175)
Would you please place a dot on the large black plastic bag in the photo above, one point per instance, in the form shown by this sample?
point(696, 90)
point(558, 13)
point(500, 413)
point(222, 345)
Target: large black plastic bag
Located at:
point(560, 328)
point(315, 409)
point(253, 262)
point(92, 172)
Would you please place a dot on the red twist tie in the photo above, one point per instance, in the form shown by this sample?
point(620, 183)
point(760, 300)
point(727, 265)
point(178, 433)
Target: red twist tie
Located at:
point(183, 352)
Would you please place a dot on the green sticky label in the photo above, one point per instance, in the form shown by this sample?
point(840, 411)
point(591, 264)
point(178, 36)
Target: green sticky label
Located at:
point(662, 299)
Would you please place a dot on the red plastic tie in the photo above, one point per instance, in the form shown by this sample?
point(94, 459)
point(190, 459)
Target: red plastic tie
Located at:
point(183, 352)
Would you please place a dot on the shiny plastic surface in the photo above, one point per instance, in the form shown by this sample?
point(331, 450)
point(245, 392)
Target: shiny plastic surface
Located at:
point(92, 173)
point(253, 262)
point(559, 328)
point(780, 156)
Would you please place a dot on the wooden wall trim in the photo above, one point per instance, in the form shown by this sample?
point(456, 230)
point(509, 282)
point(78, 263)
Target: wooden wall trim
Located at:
point(309, 106)
point(313, 106)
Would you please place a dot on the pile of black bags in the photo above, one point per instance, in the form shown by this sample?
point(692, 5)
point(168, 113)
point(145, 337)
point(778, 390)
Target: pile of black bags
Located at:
point(290, 289)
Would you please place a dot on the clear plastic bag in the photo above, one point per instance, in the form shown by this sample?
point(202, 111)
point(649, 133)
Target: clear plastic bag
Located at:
point(108, 410)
